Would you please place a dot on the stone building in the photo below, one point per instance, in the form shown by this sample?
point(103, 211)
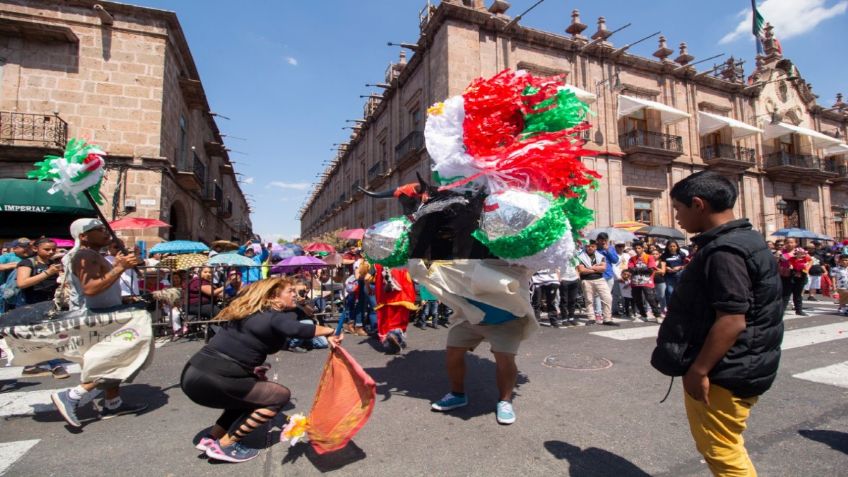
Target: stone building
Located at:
point(658, 120)
point(121, 77)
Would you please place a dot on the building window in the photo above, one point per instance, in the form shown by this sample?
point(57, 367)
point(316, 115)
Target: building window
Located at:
point(384, 151)
point(643, 211)
point(786, 144)
point(415, 119)
point(792, 214)
point(635, 122)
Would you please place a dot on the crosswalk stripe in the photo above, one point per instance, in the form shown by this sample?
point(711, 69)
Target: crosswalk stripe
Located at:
point(629, 333)
point(15, 372)
point(814, 335)
point(834, 375)
point(28, 403)
point(10, 452)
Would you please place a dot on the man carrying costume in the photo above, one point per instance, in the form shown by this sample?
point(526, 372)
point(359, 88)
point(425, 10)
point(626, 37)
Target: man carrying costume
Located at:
point(507, 203)
point(94, 283)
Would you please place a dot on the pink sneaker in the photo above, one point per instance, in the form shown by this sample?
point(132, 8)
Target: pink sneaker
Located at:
point(204, 443)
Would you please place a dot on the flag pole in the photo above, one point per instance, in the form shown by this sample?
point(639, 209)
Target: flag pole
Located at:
point(121, 246)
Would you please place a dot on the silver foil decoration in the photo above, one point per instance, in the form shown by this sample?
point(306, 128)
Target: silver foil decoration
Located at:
point(509, 212)
point(380, 239)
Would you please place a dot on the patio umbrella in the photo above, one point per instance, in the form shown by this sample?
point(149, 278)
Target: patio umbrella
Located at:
point(224, 245)
point(615, 235)
point(660, 231)
point(319, 247)
point(795, 232)
point(63, 243)
point(304, 262)
point(178, 247)
point(352, 234)
point(184, 261)
point(231, 259)
point(128, 223)
point(630, 226)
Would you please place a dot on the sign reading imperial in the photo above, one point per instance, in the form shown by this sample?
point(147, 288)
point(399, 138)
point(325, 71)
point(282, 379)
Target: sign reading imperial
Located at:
point(26, 208)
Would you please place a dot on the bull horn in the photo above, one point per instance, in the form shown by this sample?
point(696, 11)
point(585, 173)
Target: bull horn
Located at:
point(424, 184)
point(386, 194)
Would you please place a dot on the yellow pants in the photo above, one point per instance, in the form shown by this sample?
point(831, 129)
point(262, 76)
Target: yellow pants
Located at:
point(717, 431)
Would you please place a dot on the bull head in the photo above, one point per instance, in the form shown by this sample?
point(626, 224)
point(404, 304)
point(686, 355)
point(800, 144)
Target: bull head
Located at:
point(442, 220)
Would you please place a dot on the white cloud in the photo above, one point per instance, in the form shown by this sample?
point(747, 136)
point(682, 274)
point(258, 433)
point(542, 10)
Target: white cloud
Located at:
point(247, 180)
point(290, 185)
point(291, 60)
point(788, 17)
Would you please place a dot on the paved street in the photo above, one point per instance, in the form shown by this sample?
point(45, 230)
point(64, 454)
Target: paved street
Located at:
point(606, 422)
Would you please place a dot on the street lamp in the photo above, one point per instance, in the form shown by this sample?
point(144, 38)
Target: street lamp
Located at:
point(782, 205)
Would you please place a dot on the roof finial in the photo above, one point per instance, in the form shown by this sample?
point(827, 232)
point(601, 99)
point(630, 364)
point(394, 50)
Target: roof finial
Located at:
point(684, 57)
point(576, 28)
point(663, 52)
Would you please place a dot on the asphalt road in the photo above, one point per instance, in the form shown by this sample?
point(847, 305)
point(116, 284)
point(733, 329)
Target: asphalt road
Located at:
point(604, 421)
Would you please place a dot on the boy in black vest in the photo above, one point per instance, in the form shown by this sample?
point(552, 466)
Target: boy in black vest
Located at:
point(724, 324)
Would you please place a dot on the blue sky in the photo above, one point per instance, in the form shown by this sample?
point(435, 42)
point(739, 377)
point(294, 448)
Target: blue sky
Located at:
point(288, 73)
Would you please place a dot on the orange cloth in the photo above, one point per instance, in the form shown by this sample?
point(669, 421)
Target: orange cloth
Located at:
point(343, 403)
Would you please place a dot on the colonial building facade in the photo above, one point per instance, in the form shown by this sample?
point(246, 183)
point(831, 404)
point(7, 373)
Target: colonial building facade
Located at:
point(658, 120)
point(121, 77)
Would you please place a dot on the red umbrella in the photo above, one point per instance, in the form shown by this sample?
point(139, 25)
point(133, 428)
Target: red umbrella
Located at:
point(137, 223)
point(319, 247)
point(352, 234)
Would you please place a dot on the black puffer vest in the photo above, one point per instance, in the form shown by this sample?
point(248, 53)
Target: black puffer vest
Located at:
point(749, 368)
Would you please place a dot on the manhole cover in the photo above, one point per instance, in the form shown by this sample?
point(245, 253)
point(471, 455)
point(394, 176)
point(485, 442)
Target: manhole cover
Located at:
point(576, 361)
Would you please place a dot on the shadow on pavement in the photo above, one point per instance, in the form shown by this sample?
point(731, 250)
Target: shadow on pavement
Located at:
point(420, 374)
point(325, 462)
point(835, 439)
point(14, 385)
point(154, 396)
point(592, 461)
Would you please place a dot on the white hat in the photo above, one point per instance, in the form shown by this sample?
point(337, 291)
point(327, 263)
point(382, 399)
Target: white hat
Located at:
point(81, 226)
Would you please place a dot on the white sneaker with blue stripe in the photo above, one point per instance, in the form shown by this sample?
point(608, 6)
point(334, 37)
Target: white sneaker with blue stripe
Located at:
point(505, 413)
point(450, 401)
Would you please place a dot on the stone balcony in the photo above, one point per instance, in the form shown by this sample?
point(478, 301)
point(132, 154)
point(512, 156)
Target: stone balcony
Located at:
point(648, 148)
point(783, 166)
point(841, 179)
point(728, 158)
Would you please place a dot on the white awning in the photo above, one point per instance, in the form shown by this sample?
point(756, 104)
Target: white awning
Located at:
point(628, 105)
point(836, 150)
point(819, 140)
point(709, 122)
point(581, 94)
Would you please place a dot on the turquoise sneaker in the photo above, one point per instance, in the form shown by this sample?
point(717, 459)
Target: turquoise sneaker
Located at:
point(505, 414)
point(449, 402)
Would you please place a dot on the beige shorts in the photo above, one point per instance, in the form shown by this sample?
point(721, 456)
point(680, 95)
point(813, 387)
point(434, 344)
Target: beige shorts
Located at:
point(504, 337)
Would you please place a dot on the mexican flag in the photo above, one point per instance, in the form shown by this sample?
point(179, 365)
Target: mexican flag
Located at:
point(757, 27)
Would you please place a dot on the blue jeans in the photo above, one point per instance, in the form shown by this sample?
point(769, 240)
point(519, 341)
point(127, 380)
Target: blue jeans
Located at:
point(431, 308)
point(671, 281)
point(660, 290)
point(318, 342)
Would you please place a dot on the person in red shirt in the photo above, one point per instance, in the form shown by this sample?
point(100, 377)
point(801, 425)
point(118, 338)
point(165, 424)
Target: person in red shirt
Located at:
point(799, 263)
point(642, 267)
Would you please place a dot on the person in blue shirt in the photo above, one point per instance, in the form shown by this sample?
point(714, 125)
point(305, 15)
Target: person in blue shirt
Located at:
point(21, 249)
point(253, 274)
point(611, 257)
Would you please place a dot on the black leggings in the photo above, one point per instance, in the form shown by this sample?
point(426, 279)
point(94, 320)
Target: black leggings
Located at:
point(206, 310)
point(216, 382)
point(793, 287)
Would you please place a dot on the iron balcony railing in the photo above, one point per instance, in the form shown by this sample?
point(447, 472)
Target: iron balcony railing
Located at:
point(803, 161)
point(727, 151)
point(40, 129)
point(413, 142)
point(650, 139)
point(199, 169)
point(375, 170)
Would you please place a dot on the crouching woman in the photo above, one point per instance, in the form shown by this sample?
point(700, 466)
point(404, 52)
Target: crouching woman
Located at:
point(229, 372)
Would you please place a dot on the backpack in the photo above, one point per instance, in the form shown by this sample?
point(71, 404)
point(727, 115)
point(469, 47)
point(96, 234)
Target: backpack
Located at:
point(10, 294)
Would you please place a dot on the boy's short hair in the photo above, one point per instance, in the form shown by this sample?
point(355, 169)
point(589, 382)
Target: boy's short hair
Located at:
point(713, 188)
